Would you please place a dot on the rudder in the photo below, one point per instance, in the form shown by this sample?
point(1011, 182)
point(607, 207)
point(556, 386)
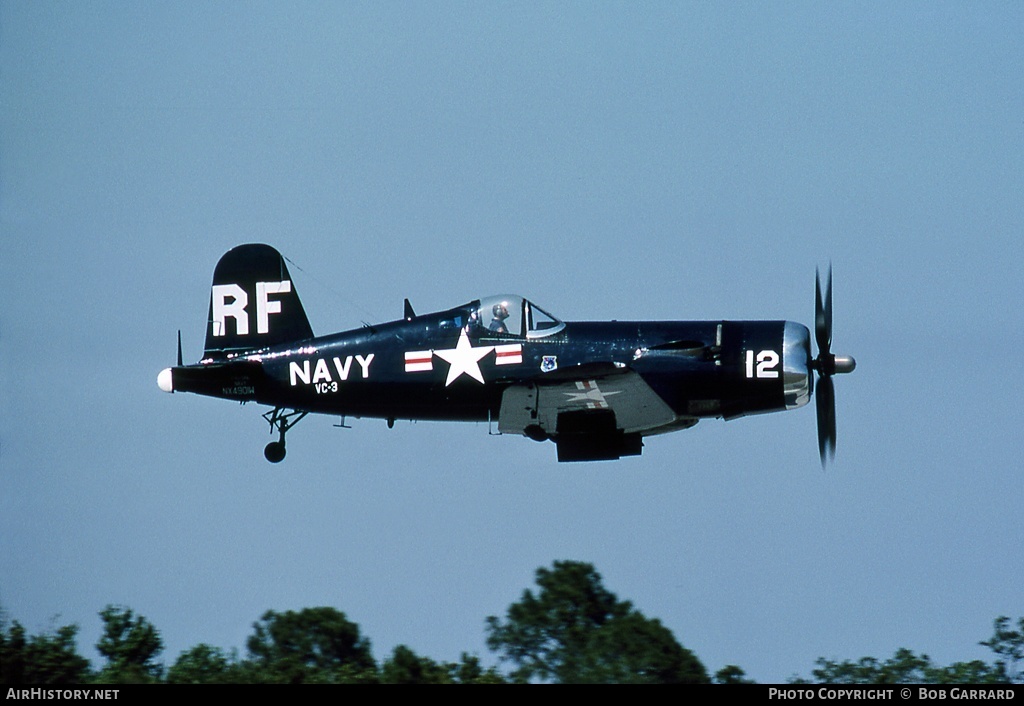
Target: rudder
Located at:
point(253, 303)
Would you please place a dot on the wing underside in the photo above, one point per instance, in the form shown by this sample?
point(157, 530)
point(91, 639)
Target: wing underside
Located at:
point(596, 416)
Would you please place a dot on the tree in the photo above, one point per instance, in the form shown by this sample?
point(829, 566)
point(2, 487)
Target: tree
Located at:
point(1009, 645)
point(204, 664)
point(974, 672)
point(905, 667)
point(731, 674)
point(48, 658)
point(406, 667)
point(576, 631)
point(313, 645)
point(469, 671)
point(130, 644)
point(12, 652)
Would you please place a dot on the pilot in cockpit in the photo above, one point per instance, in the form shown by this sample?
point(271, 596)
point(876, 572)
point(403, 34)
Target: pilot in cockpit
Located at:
point(500, 312)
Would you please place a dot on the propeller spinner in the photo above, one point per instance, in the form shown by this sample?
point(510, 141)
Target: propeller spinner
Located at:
point(827, 364)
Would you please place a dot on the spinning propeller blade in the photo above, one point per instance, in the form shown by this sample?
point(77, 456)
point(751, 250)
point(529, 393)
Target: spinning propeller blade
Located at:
point(827, 365)
point(823, 312)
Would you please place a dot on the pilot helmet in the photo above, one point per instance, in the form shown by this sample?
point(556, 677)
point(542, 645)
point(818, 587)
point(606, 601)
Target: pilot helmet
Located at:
point(500, 311)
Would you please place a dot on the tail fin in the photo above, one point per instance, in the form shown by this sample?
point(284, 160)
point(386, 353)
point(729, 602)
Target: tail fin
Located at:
point(253, 303)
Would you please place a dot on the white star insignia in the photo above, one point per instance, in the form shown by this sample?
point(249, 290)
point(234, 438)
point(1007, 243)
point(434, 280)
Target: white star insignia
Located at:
point(592, 395)
point(464, 359)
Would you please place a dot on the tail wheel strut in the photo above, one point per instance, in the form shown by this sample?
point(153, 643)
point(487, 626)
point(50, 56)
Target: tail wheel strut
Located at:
point(281, 419)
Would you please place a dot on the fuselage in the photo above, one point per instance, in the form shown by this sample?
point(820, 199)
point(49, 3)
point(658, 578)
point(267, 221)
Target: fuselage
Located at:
point(594, 388)
point(450, 366)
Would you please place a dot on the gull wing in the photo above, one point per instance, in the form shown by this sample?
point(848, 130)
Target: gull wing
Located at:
point(541, 408)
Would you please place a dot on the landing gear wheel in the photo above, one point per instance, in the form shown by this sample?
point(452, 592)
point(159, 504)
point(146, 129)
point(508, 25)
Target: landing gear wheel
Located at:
point(282, 420)
point(274, 452)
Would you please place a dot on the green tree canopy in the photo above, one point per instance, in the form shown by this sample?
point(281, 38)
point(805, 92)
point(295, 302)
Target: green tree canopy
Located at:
point(130, 644)
point(906, 667)
point(318, 645)
point(731, 674)
point(204, 664)
point(1009, 645)
point(469, 671)
point(406, 667)
point(48, 658)
point(576, 631)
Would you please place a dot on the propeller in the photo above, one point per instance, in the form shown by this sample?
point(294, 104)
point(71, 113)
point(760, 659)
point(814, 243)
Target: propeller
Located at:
point(827, 364)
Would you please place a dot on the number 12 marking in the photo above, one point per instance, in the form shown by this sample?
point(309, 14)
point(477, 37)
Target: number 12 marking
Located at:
point(766, 363)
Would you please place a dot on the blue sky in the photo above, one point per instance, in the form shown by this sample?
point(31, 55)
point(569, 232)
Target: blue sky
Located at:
point(607, 160)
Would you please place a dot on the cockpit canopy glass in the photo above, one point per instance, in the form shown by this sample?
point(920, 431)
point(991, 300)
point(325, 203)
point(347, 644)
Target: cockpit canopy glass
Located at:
point(511, 315)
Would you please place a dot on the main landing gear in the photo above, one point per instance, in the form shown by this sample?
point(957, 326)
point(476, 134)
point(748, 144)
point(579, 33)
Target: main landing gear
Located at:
point(282, 420)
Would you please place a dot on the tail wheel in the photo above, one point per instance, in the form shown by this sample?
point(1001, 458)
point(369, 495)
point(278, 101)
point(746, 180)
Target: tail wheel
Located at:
point(274, 452)
point(282, 420)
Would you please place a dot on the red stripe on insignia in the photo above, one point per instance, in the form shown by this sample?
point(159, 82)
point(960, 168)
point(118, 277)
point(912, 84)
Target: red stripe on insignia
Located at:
point(508, 355)
point(418, 361)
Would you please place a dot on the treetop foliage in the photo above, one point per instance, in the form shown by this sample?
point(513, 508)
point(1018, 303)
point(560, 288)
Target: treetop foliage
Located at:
point(310, 645)
point(570, 629)
point(49, 659)
point(130, 644)
point(1009, 645)
point(906, 667)
point(576, 631)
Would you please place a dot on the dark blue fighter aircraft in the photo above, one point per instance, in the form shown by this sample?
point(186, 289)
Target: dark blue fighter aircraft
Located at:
point(595, 389)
